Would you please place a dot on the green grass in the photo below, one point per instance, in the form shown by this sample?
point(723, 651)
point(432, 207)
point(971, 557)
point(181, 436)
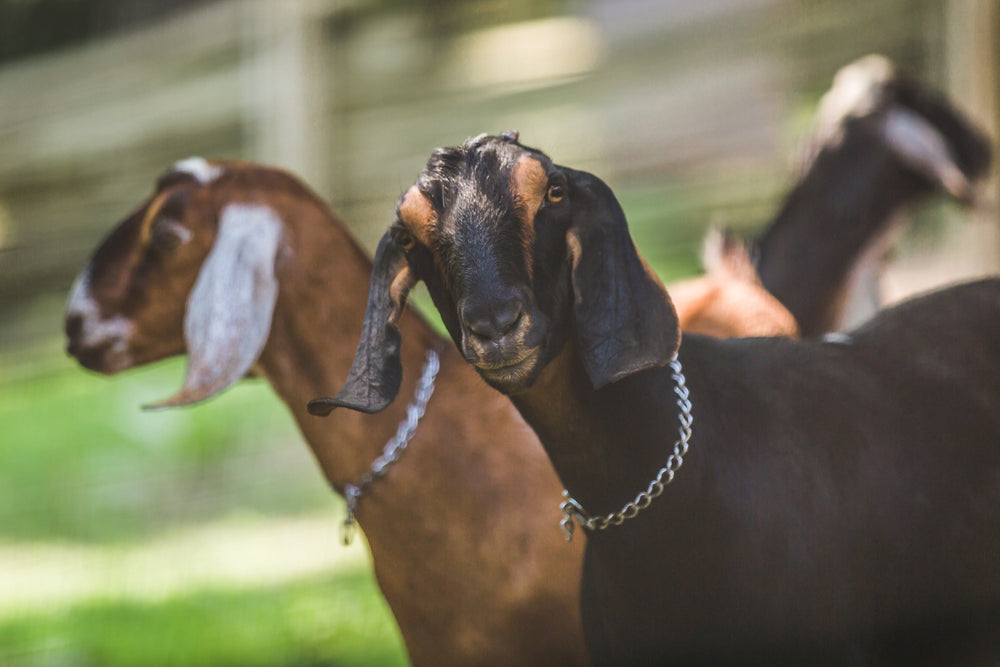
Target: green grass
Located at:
point(83, 467)
point(79, 459)
point(334, 620)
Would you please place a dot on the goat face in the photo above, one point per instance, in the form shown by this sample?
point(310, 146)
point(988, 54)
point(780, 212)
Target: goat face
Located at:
point(188, 271)
point(519, 255)
point(127, 306)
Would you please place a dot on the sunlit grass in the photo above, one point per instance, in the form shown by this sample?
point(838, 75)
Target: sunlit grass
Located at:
point(235, 552)
point(198, 536)
point(246, 591)
point(329, 620)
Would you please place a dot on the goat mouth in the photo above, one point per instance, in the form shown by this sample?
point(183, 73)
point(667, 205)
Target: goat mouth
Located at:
point(512, 375)
point(100, 358)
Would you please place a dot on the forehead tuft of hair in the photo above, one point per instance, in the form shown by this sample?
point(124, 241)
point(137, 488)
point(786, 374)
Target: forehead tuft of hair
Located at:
point(199, 168)
point(488, 160)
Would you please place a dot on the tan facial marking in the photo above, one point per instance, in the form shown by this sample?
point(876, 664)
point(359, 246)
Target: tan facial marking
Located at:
point(418, 215)
point(153, 210)
point(529, 184)
point(400, 287)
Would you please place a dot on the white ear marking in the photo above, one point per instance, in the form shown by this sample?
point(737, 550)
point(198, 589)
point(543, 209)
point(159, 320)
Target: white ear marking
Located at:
point(922, 147)
point(229, 311)
point(200, 168)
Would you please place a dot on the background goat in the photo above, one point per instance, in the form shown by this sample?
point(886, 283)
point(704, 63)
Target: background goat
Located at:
point(882, 144)
point(839, 501)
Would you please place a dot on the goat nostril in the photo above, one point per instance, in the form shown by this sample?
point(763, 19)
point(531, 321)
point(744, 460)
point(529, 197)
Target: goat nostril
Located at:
point(492, 323)
point(507, 316)
point(74, 325)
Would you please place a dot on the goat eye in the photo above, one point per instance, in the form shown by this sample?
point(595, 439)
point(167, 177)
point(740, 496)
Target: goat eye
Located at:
point(405, 241)
point(555, 193)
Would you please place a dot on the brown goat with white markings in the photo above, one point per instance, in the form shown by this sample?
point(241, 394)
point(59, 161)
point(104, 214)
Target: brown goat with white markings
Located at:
point(243, 268)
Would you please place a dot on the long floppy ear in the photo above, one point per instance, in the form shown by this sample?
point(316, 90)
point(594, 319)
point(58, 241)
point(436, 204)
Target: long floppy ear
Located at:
point(229, 311)
point(625, 321)
point(375, 376)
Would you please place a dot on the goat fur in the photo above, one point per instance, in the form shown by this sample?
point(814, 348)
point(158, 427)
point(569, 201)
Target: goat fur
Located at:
point(839, 499)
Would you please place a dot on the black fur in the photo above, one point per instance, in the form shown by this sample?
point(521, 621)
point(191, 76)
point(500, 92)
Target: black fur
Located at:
point(623, 317)
point(375, 376)
point(839, 502)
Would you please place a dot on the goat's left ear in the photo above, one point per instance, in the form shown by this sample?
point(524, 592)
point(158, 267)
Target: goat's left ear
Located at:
point(228, 318)
point(375, 376)
point(625, 321)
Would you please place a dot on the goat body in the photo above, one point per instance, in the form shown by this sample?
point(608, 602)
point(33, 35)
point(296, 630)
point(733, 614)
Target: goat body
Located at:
point(836, 496)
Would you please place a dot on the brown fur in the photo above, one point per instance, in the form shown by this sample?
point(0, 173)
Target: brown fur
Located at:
point(729, 301)
point(464, 535)
point(418, 215)
point(529, 184)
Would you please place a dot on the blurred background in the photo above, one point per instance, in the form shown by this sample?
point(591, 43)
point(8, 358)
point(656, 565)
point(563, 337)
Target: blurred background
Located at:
point(207, 536)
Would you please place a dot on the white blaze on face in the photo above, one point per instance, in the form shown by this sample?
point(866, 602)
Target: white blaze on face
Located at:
point(113, 333)
point(203, 171)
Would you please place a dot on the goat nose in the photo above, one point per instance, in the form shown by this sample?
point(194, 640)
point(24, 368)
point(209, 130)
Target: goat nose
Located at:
point(491, 320)
point(74, 325)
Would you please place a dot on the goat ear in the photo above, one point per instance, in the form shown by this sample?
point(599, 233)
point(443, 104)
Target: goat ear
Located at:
point(375, 376)
point(624, 319)
point(923, 148)
point(229, 311)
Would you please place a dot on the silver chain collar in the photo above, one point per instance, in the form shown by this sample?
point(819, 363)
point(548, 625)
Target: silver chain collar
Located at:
point(394, 448)
point(573, 511)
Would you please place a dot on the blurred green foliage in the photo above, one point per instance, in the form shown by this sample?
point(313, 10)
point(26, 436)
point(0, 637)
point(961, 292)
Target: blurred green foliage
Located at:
point(80, 460)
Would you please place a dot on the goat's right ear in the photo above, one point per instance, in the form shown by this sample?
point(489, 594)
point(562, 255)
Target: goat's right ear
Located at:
point(375, 376)
point(625, 321)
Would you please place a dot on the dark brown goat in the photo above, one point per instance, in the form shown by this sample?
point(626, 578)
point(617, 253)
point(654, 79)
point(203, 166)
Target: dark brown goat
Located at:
point(839, 502)
point(882, 144)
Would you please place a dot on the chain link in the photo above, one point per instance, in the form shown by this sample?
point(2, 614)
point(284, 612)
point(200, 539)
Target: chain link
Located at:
point(572, 509)
point(394, 448)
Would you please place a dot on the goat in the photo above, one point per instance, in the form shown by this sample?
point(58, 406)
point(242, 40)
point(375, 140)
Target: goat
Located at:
point(231, 263)
point(882, 144)
point(839, 502)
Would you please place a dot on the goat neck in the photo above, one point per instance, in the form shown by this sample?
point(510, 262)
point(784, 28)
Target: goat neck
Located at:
point(606, 444)
point(320, 302)
point(423, 506)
